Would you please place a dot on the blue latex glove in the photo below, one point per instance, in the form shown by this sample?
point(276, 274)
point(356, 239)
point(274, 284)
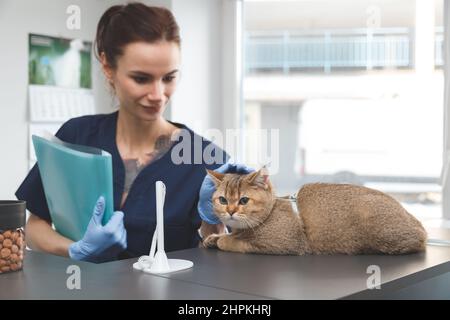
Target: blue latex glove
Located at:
point(205, 206)
point(101, 243)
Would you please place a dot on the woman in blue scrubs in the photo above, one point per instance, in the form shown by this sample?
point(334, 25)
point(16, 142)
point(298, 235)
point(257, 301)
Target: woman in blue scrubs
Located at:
point(139, 50)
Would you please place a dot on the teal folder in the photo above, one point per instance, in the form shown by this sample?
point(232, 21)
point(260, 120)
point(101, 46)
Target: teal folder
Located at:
point(74, 177)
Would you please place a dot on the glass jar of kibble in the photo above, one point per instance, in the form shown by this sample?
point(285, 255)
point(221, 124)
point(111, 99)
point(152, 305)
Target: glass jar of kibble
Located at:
point(12, 236)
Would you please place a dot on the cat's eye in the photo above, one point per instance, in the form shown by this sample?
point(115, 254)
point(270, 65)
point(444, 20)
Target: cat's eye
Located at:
point(243, 200)
point(222, 200)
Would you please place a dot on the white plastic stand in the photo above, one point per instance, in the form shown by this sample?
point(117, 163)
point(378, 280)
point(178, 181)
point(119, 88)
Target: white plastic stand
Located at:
point(158, 263)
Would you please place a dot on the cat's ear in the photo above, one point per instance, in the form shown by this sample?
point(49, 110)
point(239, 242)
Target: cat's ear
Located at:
point(259, 178)
point(216, 177)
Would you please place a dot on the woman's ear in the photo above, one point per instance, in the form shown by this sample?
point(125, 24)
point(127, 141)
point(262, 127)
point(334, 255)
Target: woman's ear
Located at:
point(216, 177)
point(107, 69)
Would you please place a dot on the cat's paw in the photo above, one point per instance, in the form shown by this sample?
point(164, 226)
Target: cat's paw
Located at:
point(211, 241)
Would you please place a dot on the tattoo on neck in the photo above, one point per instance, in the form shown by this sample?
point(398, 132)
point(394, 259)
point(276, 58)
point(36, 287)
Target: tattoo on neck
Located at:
point(134, 166)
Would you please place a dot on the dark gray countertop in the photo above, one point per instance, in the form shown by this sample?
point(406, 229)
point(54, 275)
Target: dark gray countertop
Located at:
point(45, 277)
point(225, 275)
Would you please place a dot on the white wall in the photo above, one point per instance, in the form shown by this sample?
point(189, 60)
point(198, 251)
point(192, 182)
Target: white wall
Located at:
point(208, 95)
point(18, 18)
point(199, 91)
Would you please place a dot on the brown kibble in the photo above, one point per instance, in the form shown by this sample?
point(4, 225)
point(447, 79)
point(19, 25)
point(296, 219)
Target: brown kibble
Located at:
point(15, 235)
point(19, 241)
point(12, 244)
point(14, 257)
point(7, 243)
point(5, 252)
point(14, 248)
point(7, 234)
point(5, 269)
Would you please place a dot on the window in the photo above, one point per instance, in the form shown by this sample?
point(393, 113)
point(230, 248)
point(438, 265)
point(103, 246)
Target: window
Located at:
point(355, 95)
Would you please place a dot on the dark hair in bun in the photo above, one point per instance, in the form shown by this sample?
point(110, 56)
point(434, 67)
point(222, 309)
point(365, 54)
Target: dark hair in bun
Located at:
point(133, 22)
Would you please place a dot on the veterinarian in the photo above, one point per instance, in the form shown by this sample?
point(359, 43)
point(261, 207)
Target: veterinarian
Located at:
point(139, 50)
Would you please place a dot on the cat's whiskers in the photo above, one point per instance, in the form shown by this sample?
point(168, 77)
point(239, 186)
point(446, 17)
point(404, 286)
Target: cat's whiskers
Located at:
point(250, 226)
point(251, 222)
point(223, 216)
point(253, 219)
point(228, 219)
point(240, 219)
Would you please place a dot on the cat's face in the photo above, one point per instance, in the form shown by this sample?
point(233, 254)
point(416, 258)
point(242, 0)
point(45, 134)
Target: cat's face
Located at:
point(242, 201)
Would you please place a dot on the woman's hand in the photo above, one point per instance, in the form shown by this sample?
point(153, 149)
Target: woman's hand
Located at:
point(205, 206)
point(101, 243)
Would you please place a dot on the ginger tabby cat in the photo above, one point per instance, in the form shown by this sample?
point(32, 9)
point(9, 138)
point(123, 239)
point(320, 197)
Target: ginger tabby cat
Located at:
point(332, 219)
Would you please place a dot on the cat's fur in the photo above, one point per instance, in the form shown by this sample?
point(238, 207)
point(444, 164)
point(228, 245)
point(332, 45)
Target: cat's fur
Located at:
point(333, 218)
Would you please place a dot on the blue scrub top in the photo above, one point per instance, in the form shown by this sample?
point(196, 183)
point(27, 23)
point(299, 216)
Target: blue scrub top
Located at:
point(183, 181)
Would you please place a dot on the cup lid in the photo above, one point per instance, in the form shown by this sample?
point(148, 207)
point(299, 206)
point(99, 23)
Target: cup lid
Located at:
point(12, 214)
